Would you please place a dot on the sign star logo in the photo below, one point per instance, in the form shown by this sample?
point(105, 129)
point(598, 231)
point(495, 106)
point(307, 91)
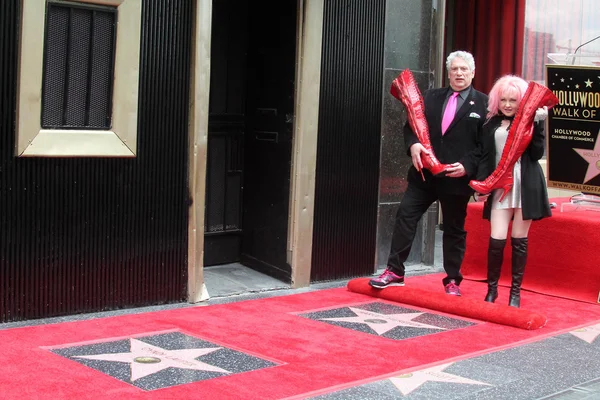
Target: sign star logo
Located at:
point(382, 323)
point(410, 382)
point(588, 83)
point(146, 359)
point(589, 333)
point(593, 159)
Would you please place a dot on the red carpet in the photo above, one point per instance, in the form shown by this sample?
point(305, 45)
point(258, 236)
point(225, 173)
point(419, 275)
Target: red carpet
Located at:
point(305, 355)
point(563, 259)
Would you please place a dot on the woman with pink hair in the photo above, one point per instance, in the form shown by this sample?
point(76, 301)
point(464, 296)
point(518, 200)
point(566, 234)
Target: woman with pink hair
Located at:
point(527, 200)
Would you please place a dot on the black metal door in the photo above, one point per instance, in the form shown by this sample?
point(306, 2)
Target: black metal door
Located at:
point(226, 127)
point(250, 134)
point(269, 127)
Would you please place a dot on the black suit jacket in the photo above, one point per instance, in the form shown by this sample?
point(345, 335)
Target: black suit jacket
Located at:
point(461, 143)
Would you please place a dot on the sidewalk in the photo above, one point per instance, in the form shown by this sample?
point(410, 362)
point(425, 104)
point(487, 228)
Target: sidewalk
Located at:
point(562, 366)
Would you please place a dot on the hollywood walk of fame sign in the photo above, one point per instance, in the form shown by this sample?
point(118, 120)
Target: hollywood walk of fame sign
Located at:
point(573, 136)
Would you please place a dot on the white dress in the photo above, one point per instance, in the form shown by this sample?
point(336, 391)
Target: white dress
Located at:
point(513, 197)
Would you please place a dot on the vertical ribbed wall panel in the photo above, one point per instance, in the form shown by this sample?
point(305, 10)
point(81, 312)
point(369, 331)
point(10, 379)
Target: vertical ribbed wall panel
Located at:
point(90, 234)
point(346, 192)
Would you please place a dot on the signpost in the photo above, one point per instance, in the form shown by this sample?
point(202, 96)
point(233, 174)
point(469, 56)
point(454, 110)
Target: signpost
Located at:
point(573, 137)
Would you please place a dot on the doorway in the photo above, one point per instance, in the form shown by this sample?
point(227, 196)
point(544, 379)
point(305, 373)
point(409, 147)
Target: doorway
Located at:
point(251, 119)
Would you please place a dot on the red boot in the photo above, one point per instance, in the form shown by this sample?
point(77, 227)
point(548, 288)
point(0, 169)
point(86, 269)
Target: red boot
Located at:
point(405, 89)
point(519, 137)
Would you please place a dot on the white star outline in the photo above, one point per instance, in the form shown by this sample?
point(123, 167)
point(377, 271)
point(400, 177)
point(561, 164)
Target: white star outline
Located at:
point(593, 159)
point(588, 334)
point(408, 383)
point(163, 359)
point(382, 323)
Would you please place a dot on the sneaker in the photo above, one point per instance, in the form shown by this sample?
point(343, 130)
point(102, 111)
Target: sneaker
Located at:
point(452, 288)
point(388, 278)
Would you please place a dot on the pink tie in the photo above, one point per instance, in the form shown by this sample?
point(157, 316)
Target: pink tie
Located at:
point(449, 112)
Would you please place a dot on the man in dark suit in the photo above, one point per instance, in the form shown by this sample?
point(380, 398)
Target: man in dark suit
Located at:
point(455, 137)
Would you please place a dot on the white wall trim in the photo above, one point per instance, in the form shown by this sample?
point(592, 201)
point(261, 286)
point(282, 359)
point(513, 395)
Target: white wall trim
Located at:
point(121, 139)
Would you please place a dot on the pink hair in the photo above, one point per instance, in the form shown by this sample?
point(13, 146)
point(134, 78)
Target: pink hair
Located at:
point(509, 85)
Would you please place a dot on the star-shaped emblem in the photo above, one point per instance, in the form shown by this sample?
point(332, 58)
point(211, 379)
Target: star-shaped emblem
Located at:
point(409, 382)
point(593, 159)
point(588, 83)
point(589, 333)
point(146, 359)
point(382, 323)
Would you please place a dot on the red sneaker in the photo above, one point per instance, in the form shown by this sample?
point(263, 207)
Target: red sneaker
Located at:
point(452, 288)
point(388, 278)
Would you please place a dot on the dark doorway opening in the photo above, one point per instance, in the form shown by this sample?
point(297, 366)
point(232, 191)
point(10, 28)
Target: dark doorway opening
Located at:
point(253, 59)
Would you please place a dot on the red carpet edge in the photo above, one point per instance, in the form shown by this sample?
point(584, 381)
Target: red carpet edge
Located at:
point(461, 306)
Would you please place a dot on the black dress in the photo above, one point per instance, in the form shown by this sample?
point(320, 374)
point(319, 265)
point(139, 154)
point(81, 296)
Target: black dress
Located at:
point(534, 195)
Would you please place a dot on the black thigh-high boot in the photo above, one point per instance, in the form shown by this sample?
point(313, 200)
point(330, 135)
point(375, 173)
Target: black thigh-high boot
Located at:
point(519, 259)
point(494, 266)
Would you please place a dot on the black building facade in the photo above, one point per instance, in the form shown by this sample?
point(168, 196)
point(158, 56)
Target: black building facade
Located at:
point(143, 141)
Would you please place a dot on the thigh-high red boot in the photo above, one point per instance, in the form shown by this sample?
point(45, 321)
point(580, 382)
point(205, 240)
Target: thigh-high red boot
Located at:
point(405, 89)
point(519, 137)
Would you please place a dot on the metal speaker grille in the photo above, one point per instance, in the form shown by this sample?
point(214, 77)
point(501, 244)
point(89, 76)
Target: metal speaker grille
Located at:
point(78, 67)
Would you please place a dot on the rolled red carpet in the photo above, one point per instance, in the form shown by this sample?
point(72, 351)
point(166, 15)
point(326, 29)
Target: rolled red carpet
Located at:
point(462, 306)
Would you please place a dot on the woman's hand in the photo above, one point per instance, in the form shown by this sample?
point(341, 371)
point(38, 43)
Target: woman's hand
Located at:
point(481, 197)
point(541, 114)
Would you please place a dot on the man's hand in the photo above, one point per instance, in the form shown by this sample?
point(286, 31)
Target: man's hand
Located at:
point(415, 153)
point(456, 170)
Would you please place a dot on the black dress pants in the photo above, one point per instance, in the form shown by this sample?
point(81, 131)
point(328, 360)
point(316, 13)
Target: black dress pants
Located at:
point(416, 201)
